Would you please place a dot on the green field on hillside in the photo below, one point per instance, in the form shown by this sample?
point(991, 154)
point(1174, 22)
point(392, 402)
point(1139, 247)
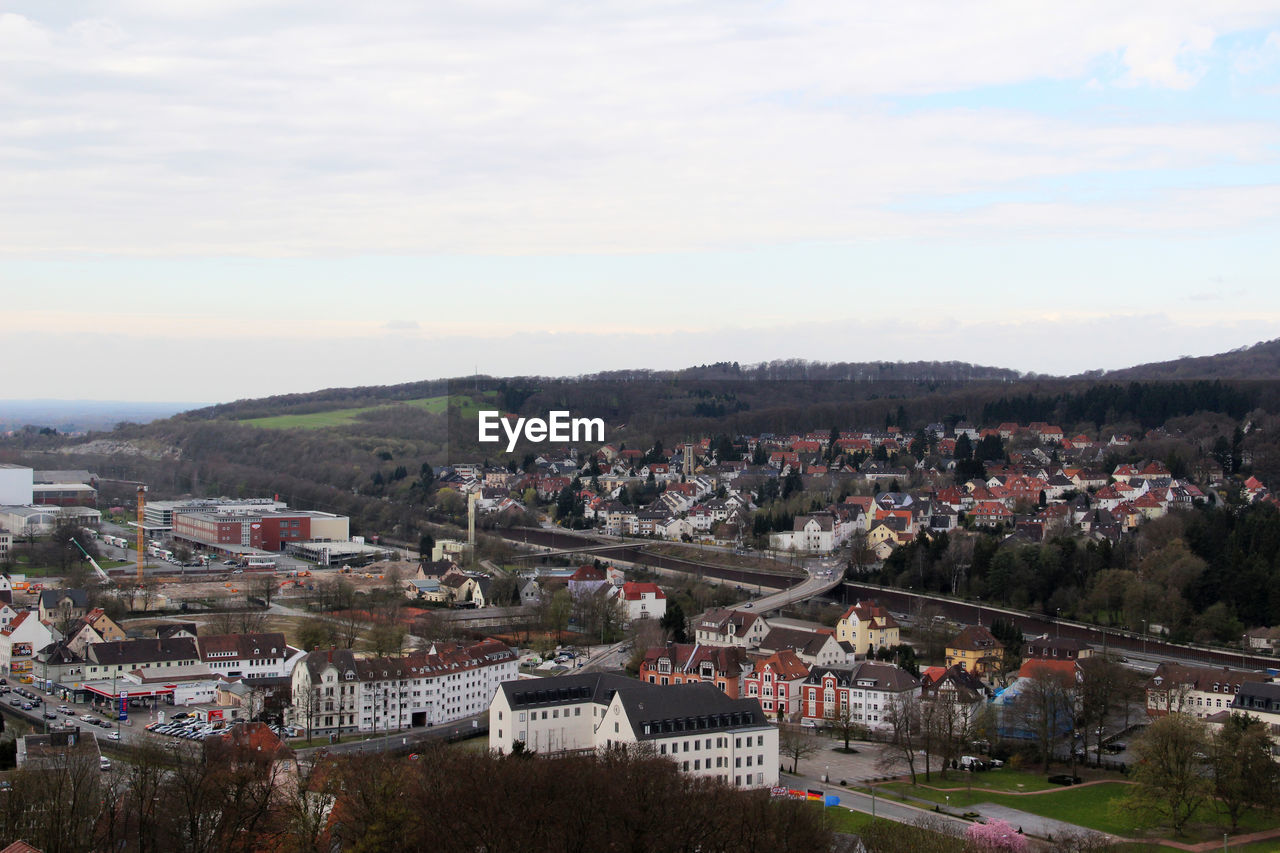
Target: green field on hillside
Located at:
point(345, 417)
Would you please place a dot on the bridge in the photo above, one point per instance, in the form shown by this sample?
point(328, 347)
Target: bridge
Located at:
point(585, 549)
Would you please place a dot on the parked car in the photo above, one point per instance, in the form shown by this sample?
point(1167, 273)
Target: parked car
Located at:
point(113, 736)
point(17, 703)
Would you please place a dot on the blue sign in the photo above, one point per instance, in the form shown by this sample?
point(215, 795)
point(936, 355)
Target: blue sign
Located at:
point(124, 707)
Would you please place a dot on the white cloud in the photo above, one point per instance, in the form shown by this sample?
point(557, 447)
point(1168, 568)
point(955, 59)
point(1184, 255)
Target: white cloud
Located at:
point(519, 127)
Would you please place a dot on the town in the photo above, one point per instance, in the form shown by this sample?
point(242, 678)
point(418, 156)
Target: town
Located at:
point(754, 610)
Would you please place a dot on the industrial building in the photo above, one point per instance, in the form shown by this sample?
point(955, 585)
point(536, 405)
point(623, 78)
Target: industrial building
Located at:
point(268, 530)
point(16, 484)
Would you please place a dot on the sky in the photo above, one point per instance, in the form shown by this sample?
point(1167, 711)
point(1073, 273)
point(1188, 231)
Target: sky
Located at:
point(221, 199)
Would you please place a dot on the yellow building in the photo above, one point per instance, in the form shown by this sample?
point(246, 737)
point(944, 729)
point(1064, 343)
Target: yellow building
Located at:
point(976, 650)
point(867, 626)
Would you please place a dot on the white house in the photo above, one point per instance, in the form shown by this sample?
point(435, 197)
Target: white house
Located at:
point(248, 655)
point(643, 600)
point(820, 533)
point(704, 731)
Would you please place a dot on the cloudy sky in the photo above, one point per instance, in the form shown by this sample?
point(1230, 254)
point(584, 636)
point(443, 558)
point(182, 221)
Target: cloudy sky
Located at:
point(214, 199)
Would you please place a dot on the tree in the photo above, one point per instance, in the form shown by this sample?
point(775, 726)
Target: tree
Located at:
point(995, 835)
point(1044, 709)
point(902, 714)
point(387, 638)
point(945, 724)
point(314, 633)
point(1169, 779)
point(1244, 774)
point(795, 744)
point(558, 611)
point(673, 622)
point(1103, 694)
point(844, 722)
point(264, 587)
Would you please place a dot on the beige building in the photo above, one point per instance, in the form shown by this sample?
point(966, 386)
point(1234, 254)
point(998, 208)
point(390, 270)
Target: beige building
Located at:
point(867, 626)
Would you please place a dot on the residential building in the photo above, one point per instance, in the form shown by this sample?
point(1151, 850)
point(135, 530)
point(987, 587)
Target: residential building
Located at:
point(958, 689)
point(689, 663)
point(1196, 690)
point(977, 650)
point(1045, 647)
point(254, 655)
point(814, 648)
point(340, 691)
point(724, 627)
point(104, 661)
point(63, 605)
point(775, 680)
point(643, 600)
point(863, 691)
point(867, 626)
point(705, 732)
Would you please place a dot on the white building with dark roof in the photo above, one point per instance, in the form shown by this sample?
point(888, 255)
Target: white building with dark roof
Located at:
point(339, 691)
point(254, 655)
point(695, 725)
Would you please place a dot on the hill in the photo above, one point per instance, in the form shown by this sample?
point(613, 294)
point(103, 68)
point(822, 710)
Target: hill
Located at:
point(1260, 361)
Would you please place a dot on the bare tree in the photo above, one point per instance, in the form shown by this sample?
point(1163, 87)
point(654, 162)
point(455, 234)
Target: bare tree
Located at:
point(844, 722)
point(265, 587)
point(902, 714)
point(1102, 697)
point(795, 744)
point(1044, 708)
point(945, 723)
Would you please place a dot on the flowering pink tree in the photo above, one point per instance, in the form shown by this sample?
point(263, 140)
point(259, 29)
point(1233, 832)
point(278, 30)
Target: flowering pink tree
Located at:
point(996, 835)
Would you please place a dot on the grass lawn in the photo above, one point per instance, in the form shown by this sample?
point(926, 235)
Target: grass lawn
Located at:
point(1000, 779)
point(472, 744)
point(841, 819)
point(343, 417)
point(1087, 805)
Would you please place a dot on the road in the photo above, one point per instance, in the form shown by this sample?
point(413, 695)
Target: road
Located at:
point(856, 801)
point(817, 583)
point(400, 741)
point(1149, 649)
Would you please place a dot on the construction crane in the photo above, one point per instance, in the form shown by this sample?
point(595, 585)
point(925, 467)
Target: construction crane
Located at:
point(102, 575)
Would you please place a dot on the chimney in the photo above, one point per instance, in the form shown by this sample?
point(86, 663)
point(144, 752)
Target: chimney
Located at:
point(331, 648)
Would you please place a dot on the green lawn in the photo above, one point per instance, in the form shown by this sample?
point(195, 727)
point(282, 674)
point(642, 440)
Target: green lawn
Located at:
point(1092, 806)
point(343, 417)
point(1001, 779)
point(841, 819)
